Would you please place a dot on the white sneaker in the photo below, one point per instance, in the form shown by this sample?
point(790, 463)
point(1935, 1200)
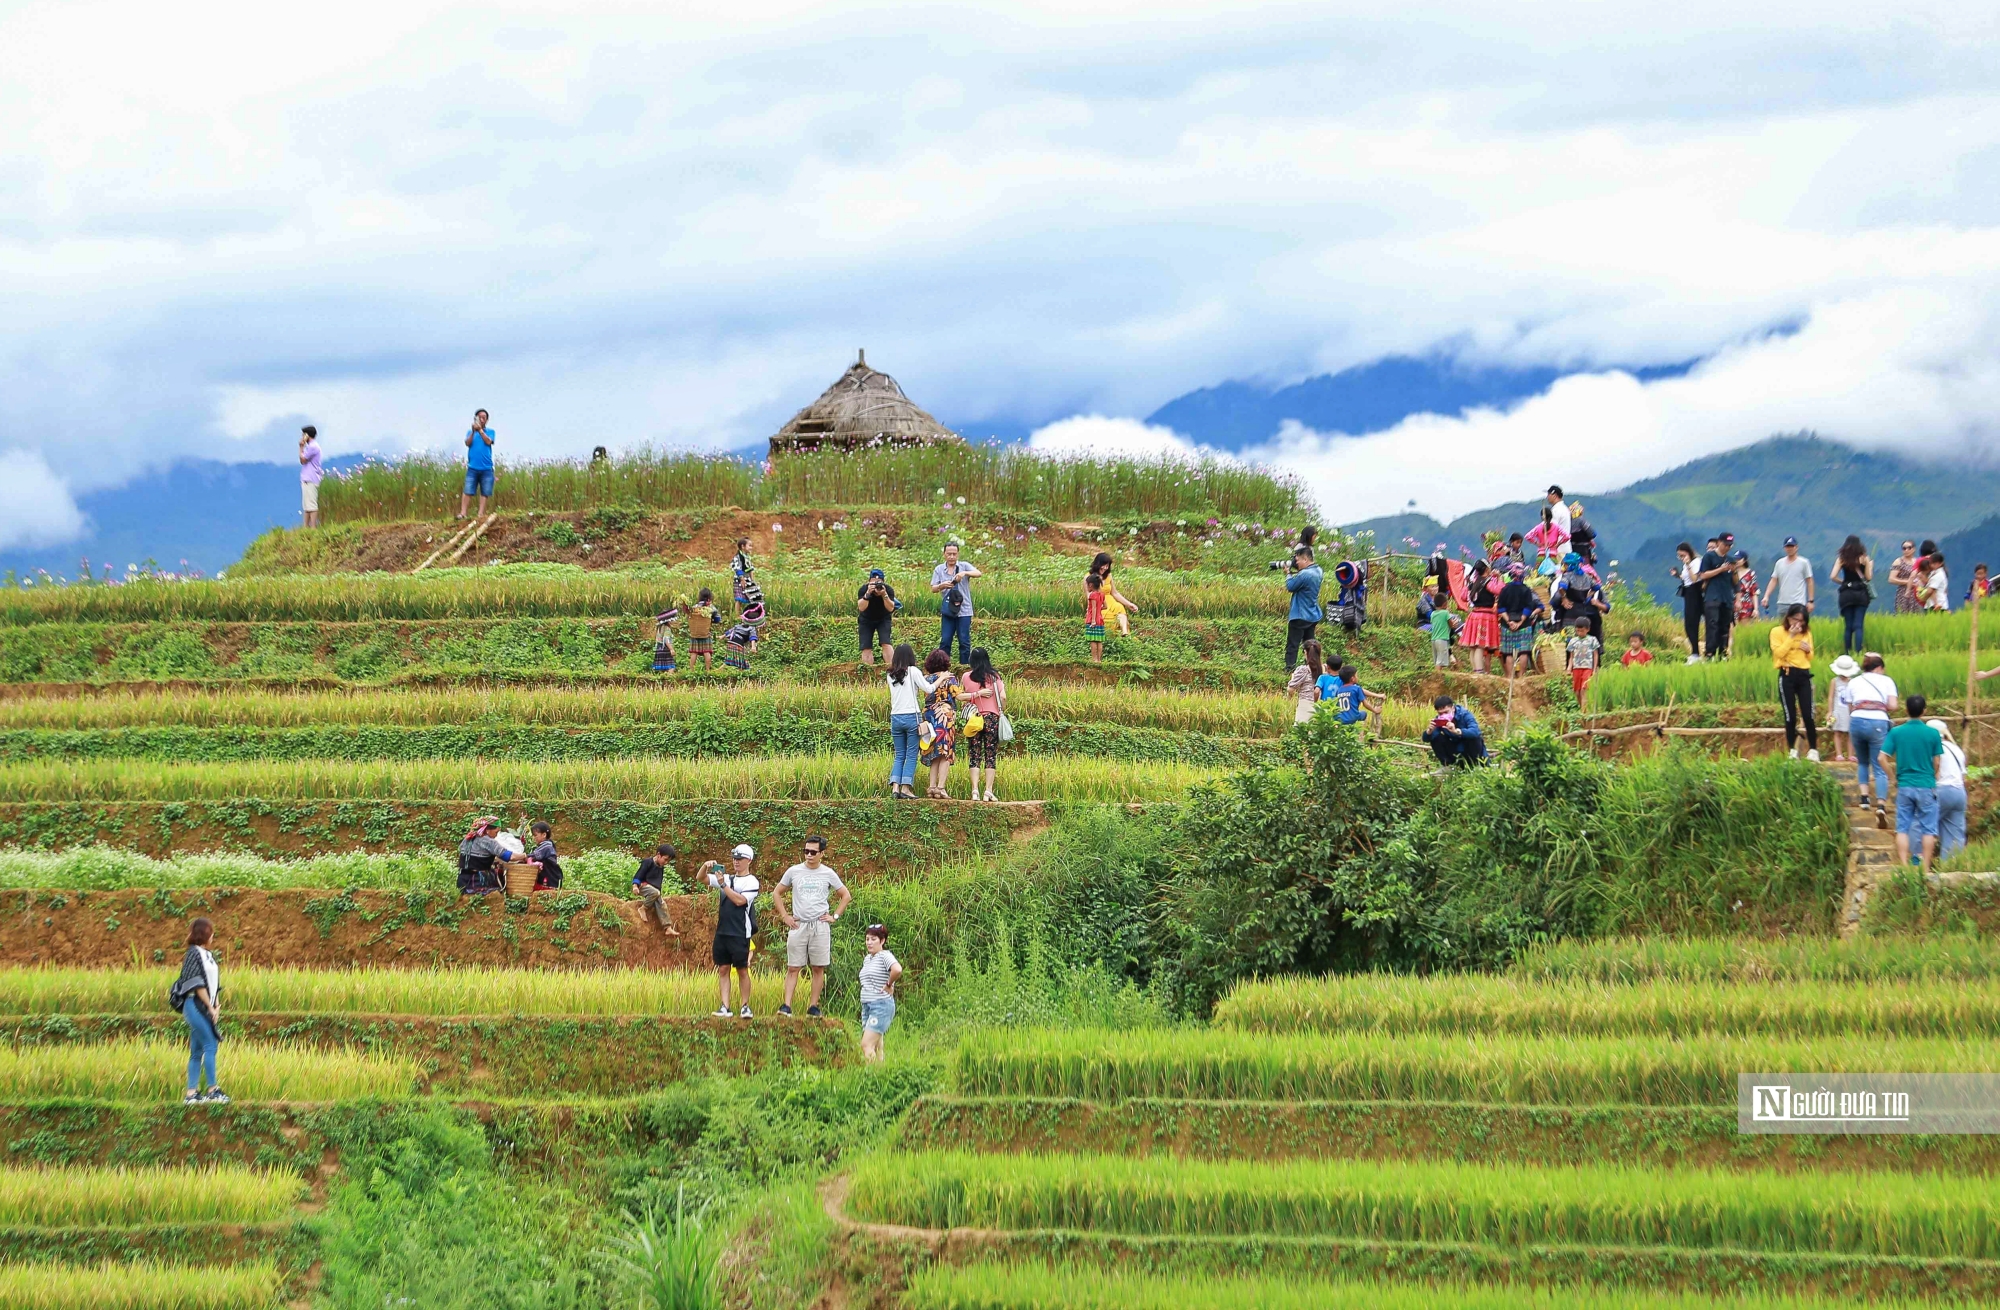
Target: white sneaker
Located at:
point(745, 1014)
point(1795, 752)
point(1694, 659)
point(1813, 756)
point(722, 1013)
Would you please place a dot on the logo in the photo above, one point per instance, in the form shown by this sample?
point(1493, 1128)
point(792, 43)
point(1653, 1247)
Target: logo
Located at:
point(1771, 1104)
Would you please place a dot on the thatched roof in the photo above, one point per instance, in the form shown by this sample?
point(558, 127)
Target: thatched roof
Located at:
point(863, 408)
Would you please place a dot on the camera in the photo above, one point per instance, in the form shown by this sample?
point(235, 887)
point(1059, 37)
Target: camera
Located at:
point(1285, 564)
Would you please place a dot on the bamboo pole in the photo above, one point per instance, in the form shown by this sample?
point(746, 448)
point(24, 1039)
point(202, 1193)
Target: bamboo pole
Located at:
point(1965, 718)
point(449, 542)
point(479, 532)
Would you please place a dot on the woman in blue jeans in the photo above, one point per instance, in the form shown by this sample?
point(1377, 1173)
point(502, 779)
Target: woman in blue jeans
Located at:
point(1855, 573)
point(907, 688)
point(1871, 700)
point(194, 994)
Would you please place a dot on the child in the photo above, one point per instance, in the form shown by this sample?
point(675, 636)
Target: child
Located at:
point(1840, 706)
point(663, 640)
point(1093, 616)
point(751, 598)
point(702, 618)
point(1635, 651)
point(1116, 605)
point(738, 645)
point(544, 854)
point(1444, 627)
point(1582, 658)
point(740, 568)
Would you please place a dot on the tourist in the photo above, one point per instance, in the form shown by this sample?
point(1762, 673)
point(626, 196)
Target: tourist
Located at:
point(1688, 586)
point(1840, 705)
point(1950, 790)
point(197, 994)
point(879, 972)
point(1903, 577)
point(1980, 588)
point(735, 925)
point(1352, 705)
point(1635, 651)
point(1934, 586)
point(1791, 654)
point(1444, 627)
point(986, 704)
point(810, 920)
point(1454, 736)
point(1791, 581)
point(1718, 599)
point(1913, 748)
point(876, 605)
point(478, 464)
point(1520, 611)
point(1872, 699)
point(1556, 511)
point(1117, 608)
point(1855, 574)
point(907, 687)
point(1747, 607)
point(663, 640)
point(649, 884)
point(1303, 581)
point(702, 618)
point(937, 734)
point(310, 474)
point(1093, 616)
point(1481, 634)
point(1580, 656)
point(953, 583)
point(550, 876)
point(1304, 684)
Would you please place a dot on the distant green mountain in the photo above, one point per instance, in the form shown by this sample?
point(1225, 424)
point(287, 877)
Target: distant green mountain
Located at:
point(1803, 486)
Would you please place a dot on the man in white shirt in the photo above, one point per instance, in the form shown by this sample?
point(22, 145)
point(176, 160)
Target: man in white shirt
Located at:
point(1559, 509)
point(1791, 580)
point(810, 917)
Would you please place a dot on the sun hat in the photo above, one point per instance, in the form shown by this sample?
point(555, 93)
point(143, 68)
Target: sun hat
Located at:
point(744, 852)
point(1845, 667)
point(1942, 729)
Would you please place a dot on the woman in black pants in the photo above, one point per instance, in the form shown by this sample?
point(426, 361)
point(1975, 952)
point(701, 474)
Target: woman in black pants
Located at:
point(1690, 593)
point(1791, 653)
point(1854, 572)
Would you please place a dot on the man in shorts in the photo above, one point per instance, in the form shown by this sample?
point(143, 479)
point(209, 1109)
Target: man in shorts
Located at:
point(1913, 748)
point(735, 925)
point(810, 918)
point(478, 464)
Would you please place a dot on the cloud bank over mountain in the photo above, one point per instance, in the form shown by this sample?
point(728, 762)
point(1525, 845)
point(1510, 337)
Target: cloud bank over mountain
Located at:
point(673, 226)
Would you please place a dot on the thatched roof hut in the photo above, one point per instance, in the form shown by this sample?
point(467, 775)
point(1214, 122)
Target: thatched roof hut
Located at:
point(863, 408)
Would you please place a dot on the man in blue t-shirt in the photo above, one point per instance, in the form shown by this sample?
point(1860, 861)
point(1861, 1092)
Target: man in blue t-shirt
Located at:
point(478, 464)
point(1913, 749)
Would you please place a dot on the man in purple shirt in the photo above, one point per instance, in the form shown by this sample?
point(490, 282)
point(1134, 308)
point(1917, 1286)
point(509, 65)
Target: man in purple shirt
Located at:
point(309, 473)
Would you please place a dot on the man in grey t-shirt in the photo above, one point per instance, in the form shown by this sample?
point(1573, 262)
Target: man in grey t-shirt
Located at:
point(1791, 580)
point(811, 917)
point(952, 581)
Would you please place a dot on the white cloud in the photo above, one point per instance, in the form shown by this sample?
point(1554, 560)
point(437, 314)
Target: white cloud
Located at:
point(40, 511)
point(1096, 437)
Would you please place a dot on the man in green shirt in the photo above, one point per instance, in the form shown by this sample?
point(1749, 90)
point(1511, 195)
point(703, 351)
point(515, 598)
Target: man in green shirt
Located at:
point(1912, 749)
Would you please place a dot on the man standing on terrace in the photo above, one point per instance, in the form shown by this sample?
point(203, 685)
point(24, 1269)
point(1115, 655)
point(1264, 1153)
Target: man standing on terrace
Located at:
point(478, 464)
point(810, 918)
point(1791, 580)
point(953, 583)
point(1303, 581)
point(735, 924)
point(1913, 749)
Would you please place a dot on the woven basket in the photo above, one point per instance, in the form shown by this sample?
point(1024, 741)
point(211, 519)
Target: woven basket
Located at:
point(520, 879)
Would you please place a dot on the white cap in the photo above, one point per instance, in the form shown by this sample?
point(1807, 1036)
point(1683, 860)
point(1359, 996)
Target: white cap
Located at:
point(743, 852)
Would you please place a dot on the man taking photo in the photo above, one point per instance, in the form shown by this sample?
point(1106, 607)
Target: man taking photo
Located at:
point(735, 924)
point(876, 604)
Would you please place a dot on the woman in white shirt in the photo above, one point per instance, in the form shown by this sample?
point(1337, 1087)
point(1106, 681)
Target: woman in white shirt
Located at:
point(1871, 700)
point(1950, 793)
point(907, 688)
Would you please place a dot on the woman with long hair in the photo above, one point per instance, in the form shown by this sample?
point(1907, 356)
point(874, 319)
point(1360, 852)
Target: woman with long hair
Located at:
point(1304, 684)
point(937, 735)
point(1116, 605)
point(1855, 573)
point(196, 995)
point(1791, 653)
point(1481, 634)
point(1690, 594)
point(985, 696)
point(907, 687)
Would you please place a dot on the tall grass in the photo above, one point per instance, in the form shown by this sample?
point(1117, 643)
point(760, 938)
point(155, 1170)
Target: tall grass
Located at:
point(1891, 1214)
point(1473, 1004)
point(427, 485)
point(108, 868)
point(87, 1197)
point(1226, 714)
point(1743, 960)
point(483, 782)
point(1013, 478)
point(141, 1286)
point(1575, 1070)
point(1040, 1287)
point(137, 1070)
point(435, 991)
point(1935, 674)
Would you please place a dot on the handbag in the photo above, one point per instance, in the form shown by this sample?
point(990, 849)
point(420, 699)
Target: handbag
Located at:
point(1003, 728)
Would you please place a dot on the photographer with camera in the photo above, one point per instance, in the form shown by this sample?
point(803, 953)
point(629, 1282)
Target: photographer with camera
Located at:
point(1302, 579)
point(735, 924)
point(876, 604)
point(953, 583)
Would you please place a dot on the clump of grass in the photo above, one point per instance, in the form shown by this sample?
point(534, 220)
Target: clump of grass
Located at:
point(145, 1070)
point(1575, 1070)
point(1749, 678)
point(108, 868)
point(1467, 1003)
point(141, 1286)
point(1735, 959)
point(92, 1197)
point(438, 991)
point(506, 783)
point(427, 485)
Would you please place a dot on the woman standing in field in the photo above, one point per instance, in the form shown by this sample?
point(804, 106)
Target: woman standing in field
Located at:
point(195, 994)
point(1791, 653)
point(937, 735)
point(1481, 634)
point(1304, 684)
point(986, 696)
point(1689, 589)
point(1855, 573)
point(907, 688)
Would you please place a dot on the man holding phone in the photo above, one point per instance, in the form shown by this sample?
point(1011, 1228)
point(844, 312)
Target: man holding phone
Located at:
point(735, 924)
point(478, 464)
point(953, 583)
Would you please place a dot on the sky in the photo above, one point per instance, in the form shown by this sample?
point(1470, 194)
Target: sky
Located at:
point(631, 224)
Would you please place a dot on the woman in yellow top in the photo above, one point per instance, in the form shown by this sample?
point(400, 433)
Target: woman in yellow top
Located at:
point(1791, 652)
point(1116, 605)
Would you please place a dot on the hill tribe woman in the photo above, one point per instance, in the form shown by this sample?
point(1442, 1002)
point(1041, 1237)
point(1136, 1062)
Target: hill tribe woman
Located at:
point(937, 735)
point(1481, 635)
point(986, 700)
point(196, 994)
